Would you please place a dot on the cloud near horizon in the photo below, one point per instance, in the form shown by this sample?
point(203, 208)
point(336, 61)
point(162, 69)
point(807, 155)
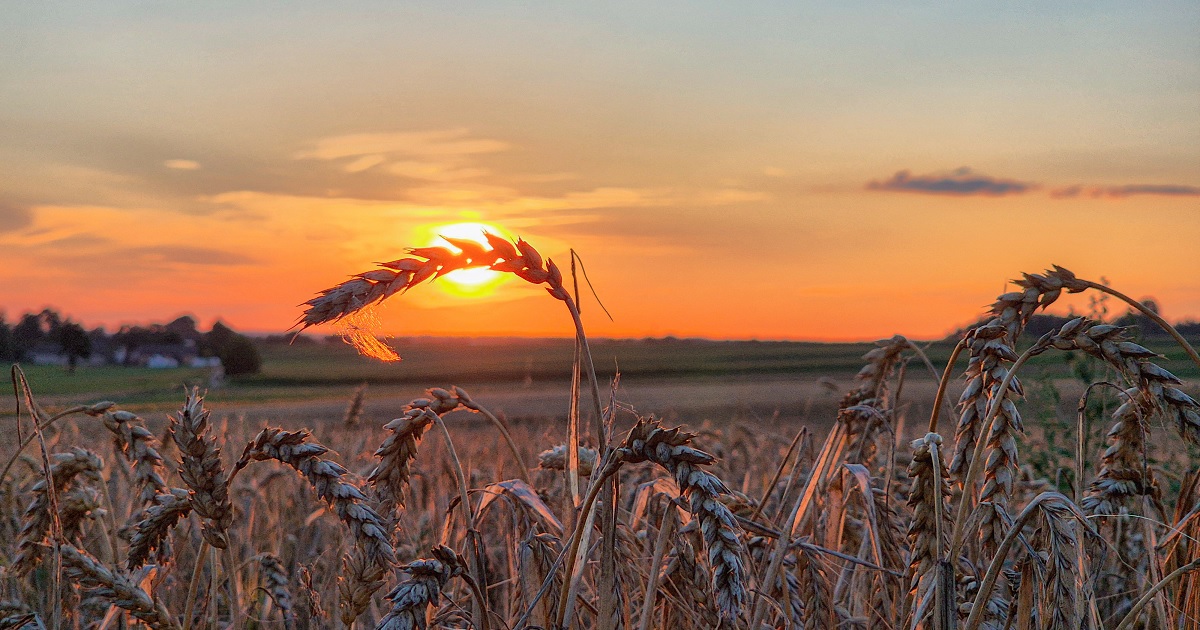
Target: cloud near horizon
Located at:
point(962, 181)
point(1127, 190)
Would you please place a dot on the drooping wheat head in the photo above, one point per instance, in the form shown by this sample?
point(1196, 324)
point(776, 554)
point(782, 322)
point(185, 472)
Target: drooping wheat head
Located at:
point(411, 598)
point(35, 522)
point(670, 448)
point(329, 479)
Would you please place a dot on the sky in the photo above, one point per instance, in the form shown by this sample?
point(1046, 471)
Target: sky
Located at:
point(768, 170)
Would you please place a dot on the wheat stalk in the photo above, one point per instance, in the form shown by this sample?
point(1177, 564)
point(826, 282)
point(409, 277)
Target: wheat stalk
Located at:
point(36, 521)
point(140, 448)
point(411, 598)
point(117, 588)
point(155, 524)
point(201, 469)
point(328, 478)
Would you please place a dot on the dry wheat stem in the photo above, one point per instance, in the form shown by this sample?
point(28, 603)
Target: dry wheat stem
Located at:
point(476, 563)
point(1136, 611)
point(943, 383)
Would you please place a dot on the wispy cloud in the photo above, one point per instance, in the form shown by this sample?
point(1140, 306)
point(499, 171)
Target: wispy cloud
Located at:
point(14, 217)
point(182, 165)
point(962, 182)
point(1127, 190)
point(436, 155)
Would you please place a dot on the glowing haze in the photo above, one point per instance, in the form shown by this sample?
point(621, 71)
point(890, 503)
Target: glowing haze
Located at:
point(729, 170)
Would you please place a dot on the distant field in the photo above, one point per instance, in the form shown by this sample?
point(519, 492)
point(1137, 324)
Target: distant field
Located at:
point(687, 379)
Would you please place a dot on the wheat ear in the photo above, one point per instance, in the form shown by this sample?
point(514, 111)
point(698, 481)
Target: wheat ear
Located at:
point(201, 469)
point(411, 598)
point(328, 478)
point(670, 449)
point(117, 588)
point(155, 524)
point(36, 521)
point(141, 449)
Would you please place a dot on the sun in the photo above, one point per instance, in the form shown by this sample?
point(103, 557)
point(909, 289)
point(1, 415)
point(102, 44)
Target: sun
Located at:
point(477, 281)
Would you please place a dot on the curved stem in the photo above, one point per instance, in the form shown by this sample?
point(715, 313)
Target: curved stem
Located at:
point(1187, 347)
point(1134, 612)
point(993, 572)
point(943, 383)
point(197, 571)
point(503, 429)
point(468, 517)
point(591, 368)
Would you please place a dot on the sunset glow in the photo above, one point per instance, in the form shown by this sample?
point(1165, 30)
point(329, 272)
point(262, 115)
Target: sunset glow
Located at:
point(765, 170)
point(476, 281)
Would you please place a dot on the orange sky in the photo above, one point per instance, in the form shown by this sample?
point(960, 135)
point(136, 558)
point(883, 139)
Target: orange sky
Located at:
point(841, 171)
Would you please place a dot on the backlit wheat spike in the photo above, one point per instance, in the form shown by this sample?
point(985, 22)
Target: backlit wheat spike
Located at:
point(201, 469)
point(155, 524)
point(426, 263)
point(670, 449)
point(411, 598)
point(35, 522)
point(556, 459)
point(358, 582)
point(928, 499)
point(275, 582)
point(1122, 474)
point(390, 476)
point(115, 587)
point(991, 348)
point(140, 448)
point(328, 478)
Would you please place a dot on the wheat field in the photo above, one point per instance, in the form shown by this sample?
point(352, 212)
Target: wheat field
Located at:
point(448, 516)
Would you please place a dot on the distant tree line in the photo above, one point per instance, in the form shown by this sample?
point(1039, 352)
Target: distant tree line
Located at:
point(49, 332)
point(1140, 326)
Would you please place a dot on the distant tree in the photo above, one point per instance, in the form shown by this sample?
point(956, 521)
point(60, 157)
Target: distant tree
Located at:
point(185, 327)
point(50, 322)
point(75, 343)
point(240, 356)
point(215, 340)
point(6, 350)
point(25, 335)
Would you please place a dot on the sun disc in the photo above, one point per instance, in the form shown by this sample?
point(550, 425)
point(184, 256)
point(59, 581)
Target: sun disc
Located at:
point(474, 281)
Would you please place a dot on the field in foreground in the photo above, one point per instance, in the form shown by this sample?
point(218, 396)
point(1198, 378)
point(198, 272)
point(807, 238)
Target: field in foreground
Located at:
point(798, 497)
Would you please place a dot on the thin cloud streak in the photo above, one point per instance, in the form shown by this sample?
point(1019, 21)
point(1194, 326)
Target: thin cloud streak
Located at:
point(1128, 190)
point(961, 182)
